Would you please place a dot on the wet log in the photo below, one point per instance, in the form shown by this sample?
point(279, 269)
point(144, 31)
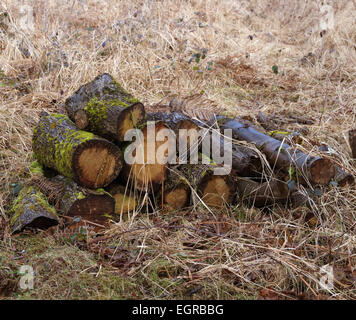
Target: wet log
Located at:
point(315, 169)
point(103, 107)
point(32, 210)
point(150, 156)
point(89, 160)
point(262, 194)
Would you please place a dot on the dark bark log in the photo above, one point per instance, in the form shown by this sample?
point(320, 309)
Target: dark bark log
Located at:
point(172, 119)
point(317, 170)
point(92, 205)
point(91, 161)
point(32, 210)
point(342, 177)
point(262, 194)
point(103, 107)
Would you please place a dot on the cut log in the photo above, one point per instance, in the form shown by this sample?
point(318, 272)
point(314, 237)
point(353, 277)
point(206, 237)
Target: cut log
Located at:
point(342, 177)
point(178, 123)
point(125, 201)
point(262, 194)
point(316, 169)
point(91, 161)
point(69, 198)
point(103, 107)
point(148, 171)
point(213, 190)
point(176, 191)
point(245, 161)
point(32, 210)
point(92, 205)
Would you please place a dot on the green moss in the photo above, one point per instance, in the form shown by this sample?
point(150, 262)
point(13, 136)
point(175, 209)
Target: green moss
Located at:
point(80, 196)
point(32, 199)
point(276, 132)
point(54, 145)
point(36, 168)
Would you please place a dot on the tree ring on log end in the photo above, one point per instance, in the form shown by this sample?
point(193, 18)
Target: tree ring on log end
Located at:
point(216, 190)
point(321, 171)
point(177, 198)
point(96, 163)
point(130, 118)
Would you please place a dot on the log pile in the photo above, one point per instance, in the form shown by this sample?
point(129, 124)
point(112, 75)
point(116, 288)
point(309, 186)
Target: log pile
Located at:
point(87, 149)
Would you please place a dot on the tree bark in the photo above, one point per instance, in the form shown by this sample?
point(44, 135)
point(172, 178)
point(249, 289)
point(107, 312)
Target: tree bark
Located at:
point(262, 194)
point(31, 210)
point(89, 160)
point(352, 141)
point(92, 205)
point(103, 107)
point(281, 155)
point(342, 177)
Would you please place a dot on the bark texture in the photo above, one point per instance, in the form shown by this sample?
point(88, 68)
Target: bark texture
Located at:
point(104, 107)
point(91, 161)
point(316, 169)
point(31, 210)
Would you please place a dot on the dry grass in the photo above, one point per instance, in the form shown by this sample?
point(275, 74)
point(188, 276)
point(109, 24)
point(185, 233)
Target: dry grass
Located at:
point(146, 46)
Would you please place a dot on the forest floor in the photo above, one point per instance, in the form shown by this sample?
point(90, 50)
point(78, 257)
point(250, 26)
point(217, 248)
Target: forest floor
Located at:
point(245, 57)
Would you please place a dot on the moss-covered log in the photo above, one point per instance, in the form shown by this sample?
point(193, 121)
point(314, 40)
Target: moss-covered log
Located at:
point(262, 194)
point(175, 192)
point(103, 107)
point(148, 170)
point(282, 156)
point(31, 210)
point(91, 161)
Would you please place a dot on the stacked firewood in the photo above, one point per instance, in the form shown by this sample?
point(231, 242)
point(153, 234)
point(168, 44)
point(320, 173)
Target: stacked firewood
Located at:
point(80, 168)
